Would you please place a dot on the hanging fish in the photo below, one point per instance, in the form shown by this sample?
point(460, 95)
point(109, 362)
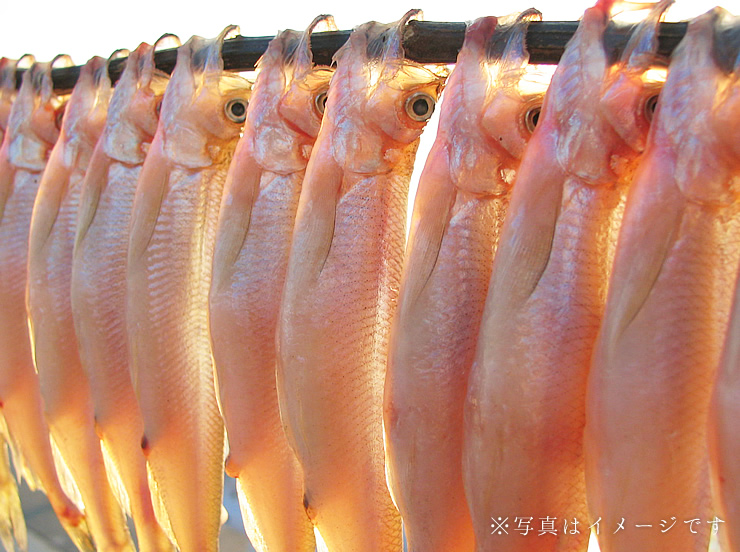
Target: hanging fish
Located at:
point(525, 409)
point(342, 283)
point(669, 299)
point(12, 522)
point(64, 385)
point(99, 280)
point(32, 131)
point(170, 259)
point(463, 193)
point(723, 435)
point(252, 244)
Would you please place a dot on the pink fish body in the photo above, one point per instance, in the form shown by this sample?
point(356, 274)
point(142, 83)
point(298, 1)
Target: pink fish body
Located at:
point(342, 283)
point(12, 522)
point(99, 280)
point(64, 385)
point(460, 206)
point(31, 134)
point(252, 244)
point(525, 410)
point(724, 440)
point(170, 258)
point(669, 299)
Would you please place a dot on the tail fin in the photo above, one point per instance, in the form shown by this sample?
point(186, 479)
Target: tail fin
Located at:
point(12, 524)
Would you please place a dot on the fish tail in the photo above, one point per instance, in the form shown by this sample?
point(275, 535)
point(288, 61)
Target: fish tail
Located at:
point(79, 534)
point(115, 480)
point(158, 504)
point(12, 523)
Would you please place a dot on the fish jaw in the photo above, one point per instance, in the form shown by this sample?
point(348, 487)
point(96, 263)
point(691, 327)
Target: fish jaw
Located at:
point(285, 102)
point(584, 139)
point(32, 120)
point(367, 109)
point(85, 114)
point(199, 87)
point(489, 88)
point(7, 92)
point(626, 95)
point(703, 174)
point(132, 116)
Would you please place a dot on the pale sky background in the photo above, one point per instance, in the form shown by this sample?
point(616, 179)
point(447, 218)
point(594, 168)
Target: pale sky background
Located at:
point(83, 28)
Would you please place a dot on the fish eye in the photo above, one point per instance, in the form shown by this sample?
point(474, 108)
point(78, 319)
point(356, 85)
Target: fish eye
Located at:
point(236, 110)
point(532, 117)
point(59, 116)
point(158, 107)
point(650, 104)
point(320, 102)
point(420, 106)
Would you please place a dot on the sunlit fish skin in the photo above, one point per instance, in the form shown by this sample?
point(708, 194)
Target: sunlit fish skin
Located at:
point(459, 209)
point(12, 522)
point(64, 385)
point(169, 275)
point(251, 256)
point(31, 133)
point(99, 280)
point(669, 300)
point(724, 439)
point(342, 284)
point(525, 407)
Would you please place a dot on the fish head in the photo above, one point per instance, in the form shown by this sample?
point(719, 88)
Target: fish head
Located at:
point(378, 102)
point(628, 103)
point(288, 102)
point(134, 107)
point(632, 86)
point(726, 114)
point(487, 115)
point(204, 108)
point(85, 113)
point(35, 118)
point(727, 117)
point(306, 87)
point(570, 112)
point(689, 116)
point(7, 91)
point(304, 103)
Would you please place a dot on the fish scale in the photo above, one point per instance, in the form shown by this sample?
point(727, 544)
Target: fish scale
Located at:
point(64, 385)
point(460, 206)
point(99, 286)
point(341, 289)
point(525, 409)
point(31, 128)
point(666, 314)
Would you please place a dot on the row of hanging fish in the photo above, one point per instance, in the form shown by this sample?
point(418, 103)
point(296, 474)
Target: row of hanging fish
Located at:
point(199, 274)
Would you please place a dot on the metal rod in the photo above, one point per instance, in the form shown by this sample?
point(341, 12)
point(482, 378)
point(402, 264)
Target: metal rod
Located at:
point(424, 42)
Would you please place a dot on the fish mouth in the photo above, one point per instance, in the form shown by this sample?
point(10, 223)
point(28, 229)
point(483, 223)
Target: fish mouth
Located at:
point(205, 54)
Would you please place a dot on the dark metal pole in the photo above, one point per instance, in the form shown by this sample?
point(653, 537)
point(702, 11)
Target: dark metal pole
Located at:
point(424, 41)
